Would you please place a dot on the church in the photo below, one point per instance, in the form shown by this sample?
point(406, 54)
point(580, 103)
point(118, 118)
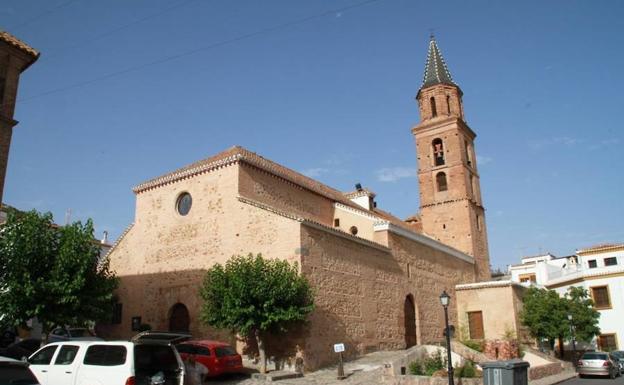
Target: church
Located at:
point(377, 278)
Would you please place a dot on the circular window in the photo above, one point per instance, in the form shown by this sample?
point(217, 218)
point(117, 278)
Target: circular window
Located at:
point(184, 203)
point(353, 230)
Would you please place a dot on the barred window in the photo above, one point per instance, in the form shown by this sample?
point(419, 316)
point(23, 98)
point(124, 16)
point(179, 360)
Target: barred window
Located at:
point(600, 295)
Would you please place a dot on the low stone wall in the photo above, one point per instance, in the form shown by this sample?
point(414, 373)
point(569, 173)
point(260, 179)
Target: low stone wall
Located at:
point(542, 371)
point(501, 349)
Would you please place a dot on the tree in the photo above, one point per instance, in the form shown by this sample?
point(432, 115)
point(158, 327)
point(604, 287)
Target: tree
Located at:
point(52, 273)
point(585, 317)
point(253, 296)
point(545, 315)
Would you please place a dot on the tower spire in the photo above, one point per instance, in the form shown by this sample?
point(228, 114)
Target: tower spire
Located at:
point(436, 71)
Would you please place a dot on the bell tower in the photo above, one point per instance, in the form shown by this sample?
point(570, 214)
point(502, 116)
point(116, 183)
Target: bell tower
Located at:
point(15, 57)
point(450, 198)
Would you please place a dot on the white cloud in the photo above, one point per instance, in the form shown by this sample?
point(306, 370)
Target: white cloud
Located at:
point(561, 140)
point(605, 143)
point(483, 160)
point(392, 174)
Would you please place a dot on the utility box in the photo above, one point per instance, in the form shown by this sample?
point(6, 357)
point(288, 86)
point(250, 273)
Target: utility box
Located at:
point(512, 372)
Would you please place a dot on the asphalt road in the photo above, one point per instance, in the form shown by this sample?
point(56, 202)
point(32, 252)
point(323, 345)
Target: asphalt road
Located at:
point(594, 381)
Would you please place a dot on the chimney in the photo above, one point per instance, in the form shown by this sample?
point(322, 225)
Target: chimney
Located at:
point(105, 238)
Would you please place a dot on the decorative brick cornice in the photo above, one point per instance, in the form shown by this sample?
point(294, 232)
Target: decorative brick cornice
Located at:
point(453, 201)
point(422, 239)
point(314, 224)
point(17, 43)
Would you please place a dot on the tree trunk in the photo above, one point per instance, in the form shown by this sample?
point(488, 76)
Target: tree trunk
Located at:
point(551, 342)
point(261, 351)
point(561, 347)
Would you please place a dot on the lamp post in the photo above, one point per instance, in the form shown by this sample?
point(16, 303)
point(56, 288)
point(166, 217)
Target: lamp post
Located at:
point(444, 300)
point(573, 334)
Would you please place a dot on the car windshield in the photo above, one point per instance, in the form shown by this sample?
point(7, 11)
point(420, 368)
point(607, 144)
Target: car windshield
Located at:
point(16, 374)
point(618, 354)
point(594, 356)
point(223, 351)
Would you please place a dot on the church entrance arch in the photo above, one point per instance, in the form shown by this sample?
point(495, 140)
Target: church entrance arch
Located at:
point(409, 312)
point(179, 319)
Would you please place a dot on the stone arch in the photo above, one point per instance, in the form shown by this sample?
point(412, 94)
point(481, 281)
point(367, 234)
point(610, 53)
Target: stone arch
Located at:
point(179, 318)
point(409, 314)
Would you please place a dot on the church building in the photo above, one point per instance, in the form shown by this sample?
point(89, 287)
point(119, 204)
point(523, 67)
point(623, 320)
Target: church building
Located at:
point(377, 278)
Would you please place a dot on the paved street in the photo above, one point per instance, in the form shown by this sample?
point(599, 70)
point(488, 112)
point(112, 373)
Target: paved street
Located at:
point(594, 381)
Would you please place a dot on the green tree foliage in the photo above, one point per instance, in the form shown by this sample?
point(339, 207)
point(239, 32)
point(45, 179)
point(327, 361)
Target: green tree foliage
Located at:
point(585, 317)
point(545, 314)
point(52, 273)
point(251, 295)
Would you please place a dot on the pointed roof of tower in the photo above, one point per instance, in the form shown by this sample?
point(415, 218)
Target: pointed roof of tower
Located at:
point(436, 71)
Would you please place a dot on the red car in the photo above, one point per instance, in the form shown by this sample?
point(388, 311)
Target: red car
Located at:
point(218, 357)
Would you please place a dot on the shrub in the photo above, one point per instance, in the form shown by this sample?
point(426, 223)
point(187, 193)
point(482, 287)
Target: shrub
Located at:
point(474, 345)
point(433, 363)
point(467, 370)
point(415, 368)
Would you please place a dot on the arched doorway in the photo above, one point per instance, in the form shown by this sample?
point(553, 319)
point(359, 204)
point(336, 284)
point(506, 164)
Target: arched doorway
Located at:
point(409, 311)
point(179, 319)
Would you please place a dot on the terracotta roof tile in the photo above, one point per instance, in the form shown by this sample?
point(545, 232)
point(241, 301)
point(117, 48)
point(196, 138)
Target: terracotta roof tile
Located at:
point(12, 40)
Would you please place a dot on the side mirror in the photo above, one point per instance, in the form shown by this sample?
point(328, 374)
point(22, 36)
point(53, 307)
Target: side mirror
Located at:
point(24, 359)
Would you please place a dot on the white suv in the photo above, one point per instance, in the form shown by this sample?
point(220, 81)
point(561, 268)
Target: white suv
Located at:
point(107, 363)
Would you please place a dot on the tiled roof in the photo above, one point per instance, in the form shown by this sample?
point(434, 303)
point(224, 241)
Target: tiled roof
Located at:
point(359, 193)
point(436, 71)
point(12, 40)
point(601, 248)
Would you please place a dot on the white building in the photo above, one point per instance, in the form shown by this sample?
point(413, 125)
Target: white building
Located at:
point(599, 270)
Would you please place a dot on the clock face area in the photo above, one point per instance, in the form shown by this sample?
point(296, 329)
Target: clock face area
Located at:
point(184, 203)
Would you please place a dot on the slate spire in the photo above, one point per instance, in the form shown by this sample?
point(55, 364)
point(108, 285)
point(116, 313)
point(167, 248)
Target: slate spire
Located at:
point(436, 71)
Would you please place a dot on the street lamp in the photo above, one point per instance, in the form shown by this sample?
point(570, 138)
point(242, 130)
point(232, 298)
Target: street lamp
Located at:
point(572, 333)
point(444, 300)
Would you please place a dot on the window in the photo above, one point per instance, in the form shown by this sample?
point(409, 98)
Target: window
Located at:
point(600, 295)
point(592, 263)
point(183, 204)
point(607, 342)
point(467, 150)
point(610, 261)
point(117, 312)
point(409, 271)
point(203, 351)
point(60, 332)
point(337, 222)
point(44, 357)
point(525, 278)
point(438, 152)
point(105, 355)
point(186, 348)
point(224, 351)
point(66, 355)
point(154, 358)
point(441, 181)
point(448, 104)
point(475, 325)
point(434, 110)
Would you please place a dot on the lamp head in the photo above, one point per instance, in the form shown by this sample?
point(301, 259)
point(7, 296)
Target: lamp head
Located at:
point(445, 298)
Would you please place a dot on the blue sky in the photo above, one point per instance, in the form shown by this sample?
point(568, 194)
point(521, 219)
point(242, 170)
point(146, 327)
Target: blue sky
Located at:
point(125, 91)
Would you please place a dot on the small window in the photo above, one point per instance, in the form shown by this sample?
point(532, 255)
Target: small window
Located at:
point(44, 357)
point(441, 181)
point(478, 222)
point(438, 152)
point(185, 348)
point(610, 261)
point(203, 351)
point(353, 230)
point(448, 104)
point(117, 313)
point(600, 295)
point(434, 110)
point(184, 203)
point(592, 263)
point(66, 355)
point(105, 355)
point(475, 325)
point(336, 222)
point(607, 342)
point(409, 271)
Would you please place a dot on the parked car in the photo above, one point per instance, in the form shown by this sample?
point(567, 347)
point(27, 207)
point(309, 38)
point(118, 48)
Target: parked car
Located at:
point(108, 363)
point(60, 334)
point(152, 335)
point(217, 357)
point(597, 364)
point(16, 372)
point(22, 349)
point(618, 356)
